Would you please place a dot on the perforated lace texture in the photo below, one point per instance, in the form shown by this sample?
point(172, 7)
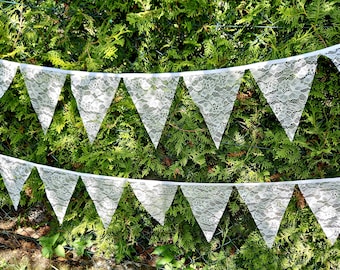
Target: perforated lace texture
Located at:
point(155, 197)
point(267, 204)
point(93, 95)
point(324, 201)
point(215, 94)
point(334, 55)
point(7, 73)
point(207, 204)
point(14, 174)
point(59, 187)
point(105, 195)
point(152, 98)
point(44, 87)
point(286, 87)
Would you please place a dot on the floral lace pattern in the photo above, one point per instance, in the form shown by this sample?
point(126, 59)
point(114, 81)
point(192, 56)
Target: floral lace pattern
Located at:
point(105, 195)
point(14, 175)
point(215, 94)
point(59, 187)
point(156, 197)
point(207, 204)
point(7, 73)
point(334, 55)
point(94, 95)
point(324, 201)
point(286, 87)
point(152, 97)
point(267, 204)
point(44, 87)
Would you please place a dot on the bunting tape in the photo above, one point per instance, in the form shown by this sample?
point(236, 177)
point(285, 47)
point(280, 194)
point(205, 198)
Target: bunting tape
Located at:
point(266, 202)
point(285, 84)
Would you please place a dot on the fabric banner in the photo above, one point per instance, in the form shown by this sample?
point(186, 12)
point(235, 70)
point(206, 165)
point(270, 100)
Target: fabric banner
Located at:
point(59, 187)
point(155, 196)
point(207, 204)
point(105, 195)
point(94, 95)
point(286, 87)
point(267, 204)
point(324, 201)
point(14, 173)
point(7, 73)
point(334, 55)
point(152, 97)
point(44, 87)
point(215, 94)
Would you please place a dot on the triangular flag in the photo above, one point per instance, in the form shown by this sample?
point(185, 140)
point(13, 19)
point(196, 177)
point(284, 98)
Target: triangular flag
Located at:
point(286, 87)
point(156, 197)
point(94, 94)
point(267, 204)
point(324, 201)
point(152, 97)
point(44, 87)
point(14, 173)
point(7, 73)
point(334, 55)
point(59, 187)
point(105, 194)
point(215, 94)
point(207, 204)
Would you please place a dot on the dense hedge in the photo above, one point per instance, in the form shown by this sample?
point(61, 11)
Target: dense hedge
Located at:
point(167, 36)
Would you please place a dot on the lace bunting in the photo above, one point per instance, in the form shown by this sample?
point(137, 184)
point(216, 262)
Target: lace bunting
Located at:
point(105, 195)
point(44, 87)
point(215, 95)
point(324, 200)
point(286, 87)
point(14, 173)
point(156, 197)
point(207, 204)
point(334, 55)
point(7, 73)
point(93, 94)
point(152, 97)
point(59, 187)
point(267, 204)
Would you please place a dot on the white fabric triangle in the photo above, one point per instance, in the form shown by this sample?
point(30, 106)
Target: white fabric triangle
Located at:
point(334, 55)
point(215, 94)
point(152, 97)
point(286, 87)
point(324, 201)
point(44, 87)
point(105, 194)
point(267, 205)
point(207, 204)
point(94, 95)
point(59, 187)
point(14, 173)
point(7, 73)
point(156, 197)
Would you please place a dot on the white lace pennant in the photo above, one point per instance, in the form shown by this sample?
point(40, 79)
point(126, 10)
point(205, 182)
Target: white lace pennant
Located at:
point(152, 97)
point(44, 87)
point(155, 196)
point(59, 187)
point(324, 201)
point(105, 194)
point(215, 94)
point(286, 87)
point(207, 204)
point(94, 94)
point(267, 205)
point(7, 73)
point(14, 173)
point(334, 55)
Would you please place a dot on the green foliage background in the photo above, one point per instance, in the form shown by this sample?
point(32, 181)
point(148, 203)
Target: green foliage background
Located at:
point(169, 36)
